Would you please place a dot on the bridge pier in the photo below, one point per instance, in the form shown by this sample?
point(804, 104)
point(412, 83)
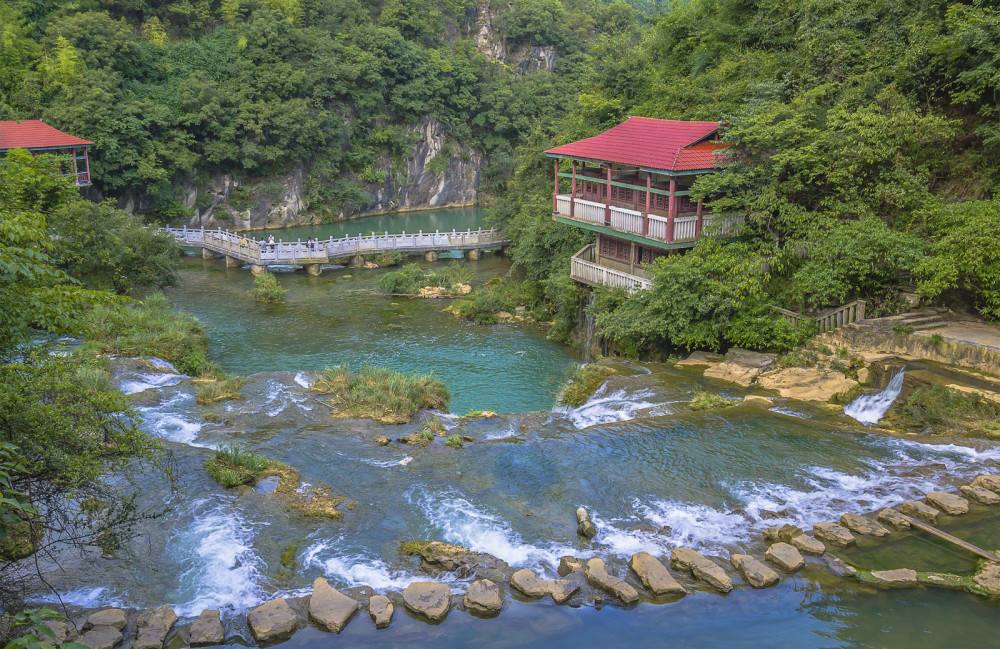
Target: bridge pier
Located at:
point(357, 261)
point(256, 269)
point(473, 254)
point(431, 255)
point(314, 270)
point(232, 262)
point(208, 254)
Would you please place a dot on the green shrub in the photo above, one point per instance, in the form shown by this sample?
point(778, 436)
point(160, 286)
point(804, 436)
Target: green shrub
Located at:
point(232, 466)
point(585, 380)
point(454, 441)
point(411, 278)
point(709, 401)
point(798, 358)
point(386, 259)
point(938, 409)
point(380, 394)
point(267, 289)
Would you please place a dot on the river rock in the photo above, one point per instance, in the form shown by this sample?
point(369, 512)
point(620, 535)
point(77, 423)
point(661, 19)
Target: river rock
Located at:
point(917, 508)
point(330, 608)
point(700, 359)
point(569, 565)
point(894, 518)
point(740, 366)
point(654, 575)
point(380, 609)
point(756, 573)
point(207, 629)
point(483, 598)
point(808, 544)
point(833, 534)
point(948, 503)
point(758, 400)
point(898, 578)
point(806, 383)
point(987, 578)
point(861, 525)
point(101, 637)
point(152, 627)
point(562, 589)
point(991, 482)
point(274, 620)
point(785, 556)
point(61, 631)
point(382, 440)
point(980, 495)
point(784, 533)
point(702, 568)
point(584, 526)
point(113, 617)
point(598, 575)
point(529, 583)
point(428, 598)
point(838, 567)
point(464, 562)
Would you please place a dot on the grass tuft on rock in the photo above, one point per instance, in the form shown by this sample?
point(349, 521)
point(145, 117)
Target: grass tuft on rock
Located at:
point(232, 466)
point(454, 441)
point(222, 389)
point(936, 409)
point(584, 382)
point(451, 280)
point(709, 401)
point(380, 394)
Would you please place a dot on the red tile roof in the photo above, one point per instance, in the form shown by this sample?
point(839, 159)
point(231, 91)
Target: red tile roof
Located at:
point(35, 134)
point(667, 144)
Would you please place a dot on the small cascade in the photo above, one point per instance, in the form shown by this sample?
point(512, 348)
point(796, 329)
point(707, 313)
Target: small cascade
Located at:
point(589, 327)
point(870, 408)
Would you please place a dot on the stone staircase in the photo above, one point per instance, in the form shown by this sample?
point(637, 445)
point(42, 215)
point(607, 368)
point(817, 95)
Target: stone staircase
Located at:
point(923, 319)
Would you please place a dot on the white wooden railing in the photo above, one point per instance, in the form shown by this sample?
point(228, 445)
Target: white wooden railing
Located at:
point(584, 269)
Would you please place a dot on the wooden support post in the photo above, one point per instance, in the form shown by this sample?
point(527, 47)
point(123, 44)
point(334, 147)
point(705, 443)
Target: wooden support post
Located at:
point(555, 187)
point(671, 209)
point(572, 193)
point(699, 222)
point(607, 199)
point(631, 257)
point(645, 216)
point(954, 540)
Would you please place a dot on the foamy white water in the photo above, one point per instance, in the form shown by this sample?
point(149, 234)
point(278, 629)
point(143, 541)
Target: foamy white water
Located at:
point(788, 412)
point(356, 569)
point(148, 381)
point(869, 408)
point(98, 596)
point(608, 406)
point(166, 421)
point(303, 380)
point(278, 397)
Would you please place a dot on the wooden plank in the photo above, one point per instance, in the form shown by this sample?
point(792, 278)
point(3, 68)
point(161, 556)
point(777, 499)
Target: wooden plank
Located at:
point(954, 540)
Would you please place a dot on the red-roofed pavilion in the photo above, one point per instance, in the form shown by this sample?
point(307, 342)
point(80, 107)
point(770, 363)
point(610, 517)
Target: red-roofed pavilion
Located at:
point(38, 137)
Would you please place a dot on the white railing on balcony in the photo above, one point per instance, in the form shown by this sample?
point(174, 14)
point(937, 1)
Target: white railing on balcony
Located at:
point(583, 268)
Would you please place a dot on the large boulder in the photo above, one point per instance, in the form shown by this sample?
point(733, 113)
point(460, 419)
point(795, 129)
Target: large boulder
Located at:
point(271, 621)
point(833, 534)
point(702, 568)
point(894, 518)
point(380, 609)
point(152, 627)
point(806, 383)
point(948, 503)
point(329, 608)
point(785, 556)
point(584, 526)
point(569, 564)
point(756, 573)
point(483, 597)
point(919, 509)
point(898, 578)
point(654, 575)
point(528, 583)
point(101, 637)
point(207, 629)
point(113, 617)
point(861, 525)
point(740, 366)
point(987, 579)
point(980, 495)
point(700, 359)
point(598, 575)
point(464, 562)
point(429, 599)
point(987, 481)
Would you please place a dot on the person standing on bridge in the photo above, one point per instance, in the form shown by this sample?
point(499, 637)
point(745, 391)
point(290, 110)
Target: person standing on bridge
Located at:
point(270, 242)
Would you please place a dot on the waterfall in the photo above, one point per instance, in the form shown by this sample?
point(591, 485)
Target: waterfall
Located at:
point(869, 408)
point(588, 328)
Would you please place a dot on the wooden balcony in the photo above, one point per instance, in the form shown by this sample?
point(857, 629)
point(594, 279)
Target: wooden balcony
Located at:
point(585, 268)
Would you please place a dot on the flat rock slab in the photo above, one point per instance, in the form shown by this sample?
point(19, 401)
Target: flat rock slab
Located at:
point(948, 503)
point(756, 573)
point(654, 575)
point(102, 637)
point(988, 481)
point(919, 509)
point(528, 583)
point(894, 518)
point(329, 608)
point(429, 599)
point(785, 556)
point(987, 578)
point(484, 598)
point(808, 544)
point(274, 620)
point(380, 609)
point(806, 383)
point(152, 627)
point(702, 568)
point(562, 589)
point(207, 629)
point(113, 617)
point(980, 495)
point(699, 359)
point(833, 534)
point(898, 578)
point(861, 525)
point(598, 575)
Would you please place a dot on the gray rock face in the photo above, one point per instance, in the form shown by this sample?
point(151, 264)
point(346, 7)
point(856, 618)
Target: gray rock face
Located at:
point(988, 481)
point(756, 573)
point(569, 565)
point(654, 575)
point(207, 629)
point(861, 525)
point(808, 544)
point(785, 556)
point(948, 503)
point(584, 526)
point(101, 637)
point(113, 617)
point(702, 568)
point(898, 578)
point(152, 627)
point(598, 575)
point(892, 517)
point(484, 598)
point(274, 620)
point(919, 509)
point(833, 534)
point(380, 609)
point(980, 495)
point(528, 583)
point(329, 608)
point(429, 599)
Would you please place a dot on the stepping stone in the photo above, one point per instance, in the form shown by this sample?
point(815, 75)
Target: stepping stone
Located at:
point(980, 495)
point(756, 573)
point(894, 518)
point(569, 565)
point(113, 617)
point(274, 620)
point(838, 567)
point(785, 556)
point(562, 589)
point(808, 544)
point(152, 627)
point(429, 599)
point(987, 578)
point(207, 629)
point(898, 578)
point(483, 598)
point(654, 575)
point(948, 503)
point(329, 608)
point(917, 508)
point(861, 525)
point(528, 583)
point(833, 534)
point(584, 526)
point(784, 533)
point(102, 637)
point(597, 574)
point(702, 568)
point(380, 609)
point(991, 482)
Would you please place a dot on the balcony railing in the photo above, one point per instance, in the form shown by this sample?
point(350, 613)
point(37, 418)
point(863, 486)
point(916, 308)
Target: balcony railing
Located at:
point(584, 268)
point(623, 219)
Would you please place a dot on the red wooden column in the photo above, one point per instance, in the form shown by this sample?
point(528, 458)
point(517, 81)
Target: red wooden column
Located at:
point(607, 199)
point(671, 209)
point(572, 193)
point(699, 222)
point(555, 187)
point(645, 216)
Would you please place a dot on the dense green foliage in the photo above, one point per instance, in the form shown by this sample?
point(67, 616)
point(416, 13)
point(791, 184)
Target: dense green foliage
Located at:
point(267, 289)
point(380, 394)
point(409, 279)
point(232, 466)
point(938, 409)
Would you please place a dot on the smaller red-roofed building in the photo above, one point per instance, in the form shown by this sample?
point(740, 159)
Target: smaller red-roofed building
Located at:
point(631, 185)
point(38, 137)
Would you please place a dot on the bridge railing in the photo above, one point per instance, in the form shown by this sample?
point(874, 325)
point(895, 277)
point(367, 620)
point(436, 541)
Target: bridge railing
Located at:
point(454, 240)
